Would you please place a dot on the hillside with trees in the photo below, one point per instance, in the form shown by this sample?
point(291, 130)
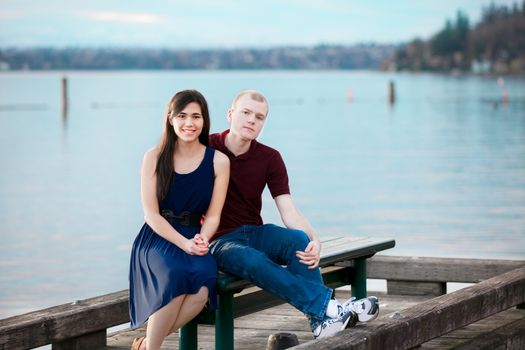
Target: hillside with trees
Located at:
point(363, 56)
point(495, 45)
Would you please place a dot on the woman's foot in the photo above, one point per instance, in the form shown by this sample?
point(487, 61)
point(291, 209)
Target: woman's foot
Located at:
point(139, 343)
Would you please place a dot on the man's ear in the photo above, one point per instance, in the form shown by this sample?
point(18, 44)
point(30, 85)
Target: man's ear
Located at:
point(229, 115)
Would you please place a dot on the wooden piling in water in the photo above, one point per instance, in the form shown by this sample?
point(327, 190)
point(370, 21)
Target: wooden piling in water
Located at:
point(391, 92)
point(64, 99)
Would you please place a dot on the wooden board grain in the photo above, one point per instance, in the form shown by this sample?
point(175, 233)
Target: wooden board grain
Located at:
point(433, 318)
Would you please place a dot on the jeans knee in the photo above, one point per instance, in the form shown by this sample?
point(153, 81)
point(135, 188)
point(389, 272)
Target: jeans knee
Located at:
point(294, 237)
point(299, 238)
point(228, 255)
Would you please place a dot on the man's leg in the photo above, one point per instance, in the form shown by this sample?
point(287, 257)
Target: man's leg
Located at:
point(280, 245)
point(257, 253)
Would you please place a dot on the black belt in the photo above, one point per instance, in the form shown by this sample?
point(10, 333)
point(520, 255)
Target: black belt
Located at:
point(185, 218)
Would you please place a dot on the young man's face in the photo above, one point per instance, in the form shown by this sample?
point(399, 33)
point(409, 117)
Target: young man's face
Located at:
point(247, 117)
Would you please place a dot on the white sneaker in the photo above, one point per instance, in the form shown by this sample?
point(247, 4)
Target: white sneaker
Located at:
point(331, 326)
point(366, 309)
point(334, 309)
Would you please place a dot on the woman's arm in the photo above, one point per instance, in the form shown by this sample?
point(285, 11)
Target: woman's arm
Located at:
point(148, 185)
point(221, 164)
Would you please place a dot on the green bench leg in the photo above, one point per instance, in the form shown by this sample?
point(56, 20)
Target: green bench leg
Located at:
point(188, 336)
point(224, 323)
point(359, 280)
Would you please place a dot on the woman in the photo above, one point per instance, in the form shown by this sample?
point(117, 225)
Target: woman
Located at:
point(183, 185)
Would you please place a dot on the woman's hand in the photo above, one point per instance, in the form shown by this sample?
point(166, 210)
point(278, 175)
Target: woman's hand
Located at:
point(311, 255)
point(196, 246)
point(201, 241)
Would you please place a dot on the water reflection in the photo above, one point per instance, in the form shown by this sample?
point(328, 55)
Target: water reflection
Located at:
point(441, 170)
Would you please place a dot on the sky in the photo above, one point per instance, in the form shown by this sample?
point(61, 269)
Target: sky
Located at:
point(225, 23)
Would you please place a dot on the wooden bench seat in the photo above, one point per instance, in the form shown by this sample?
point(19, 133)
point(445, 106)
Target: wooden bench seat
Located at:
point(348, 252)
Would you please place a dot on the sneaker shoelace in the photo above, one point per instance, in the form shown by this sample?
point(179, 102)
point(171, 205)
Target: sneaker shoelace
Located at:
point(353, 306)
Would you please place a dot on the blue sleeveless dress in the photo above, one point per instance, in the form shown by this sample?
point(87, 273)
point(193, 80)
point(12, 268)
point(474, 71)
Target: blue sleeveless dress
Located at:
point(160, 270)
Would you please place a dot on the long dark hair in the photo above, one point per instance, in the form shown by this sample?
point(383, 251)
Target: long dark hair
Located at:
point(165, 167)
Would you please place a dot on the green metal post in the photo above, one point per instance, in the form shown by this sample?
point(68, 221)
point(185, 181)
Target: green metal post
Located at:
point(359, 280)
point(224, 323)
point(188, 336)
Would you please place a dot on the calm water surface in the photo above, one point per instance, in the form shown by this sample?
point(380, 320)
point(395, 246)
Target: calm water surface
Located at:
point(442, 171)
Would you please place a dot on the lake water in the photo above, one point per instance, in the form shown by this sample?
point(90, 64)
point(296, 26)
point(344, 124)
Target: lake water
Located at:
point(442, 170)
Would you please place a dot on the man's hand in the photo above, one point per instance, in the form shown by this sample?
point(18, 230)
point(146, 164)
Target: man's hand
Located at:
point(198, 245)
point(201, 241)
point(311, 255)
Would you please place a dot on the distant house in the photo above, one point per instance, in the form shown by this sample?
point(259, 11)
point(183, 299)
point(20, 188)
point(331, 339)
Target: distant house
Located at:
point(481, 67)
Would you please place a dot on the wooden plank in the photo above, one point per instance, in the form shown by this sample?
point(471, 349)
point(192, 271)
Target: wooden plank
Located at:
point(65, 321)
point(357, 249)
point(437, 269)
point(416, 288)
point(510, 337)
point(476, 330)
point(347, 243)
point(94, 340)
point(434, 317)
point(336, 241)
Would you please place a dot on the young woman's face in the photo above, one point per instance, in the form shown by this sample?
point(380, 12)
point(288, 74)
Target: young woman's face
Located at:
point(188, 123)
point(247, 117)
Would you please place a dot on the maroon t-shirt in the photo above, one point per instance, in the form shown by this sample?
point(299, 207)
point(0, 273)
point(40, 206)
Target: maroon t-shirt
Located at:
point(249, 174)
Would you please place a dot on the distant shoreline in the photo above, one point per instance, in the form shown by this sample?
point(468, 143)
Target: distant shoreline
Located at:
point(261, 70)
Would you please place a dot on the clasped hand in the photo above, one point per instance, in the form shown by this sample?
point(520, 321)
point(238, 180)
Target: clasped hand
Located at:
point(310, 256)
point(198, 245)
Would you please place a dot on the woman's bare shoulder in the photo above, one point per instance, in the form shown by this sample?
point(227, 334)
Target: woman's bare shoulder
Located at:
point(221, 159)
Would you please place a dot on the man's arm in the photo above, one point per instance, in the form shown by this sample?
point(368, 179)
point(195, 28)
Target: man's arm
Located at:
point(294, 219)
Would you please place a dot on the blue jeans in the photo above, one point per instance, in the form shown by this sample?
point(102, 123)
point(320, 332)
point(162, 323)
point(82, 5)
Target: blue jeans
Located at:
point(258, 253)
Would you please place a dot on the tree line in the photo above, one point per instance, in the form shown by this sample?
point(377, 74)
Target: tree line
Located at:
point(494, 45)
point(364, 56)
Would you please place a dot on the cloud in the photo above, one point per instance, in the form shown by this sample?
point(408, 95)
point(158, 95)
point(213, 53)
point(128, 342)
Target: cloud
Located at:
point(138, 18)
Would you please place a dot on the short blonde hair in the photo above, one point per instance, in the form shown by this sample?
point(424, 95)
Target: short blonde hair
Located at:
point(254, 95)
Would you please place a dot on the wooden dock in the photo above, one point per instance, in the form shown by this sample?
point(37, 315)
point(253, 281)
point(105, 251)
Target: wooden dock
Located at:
point(417, 312)
point(252, 331)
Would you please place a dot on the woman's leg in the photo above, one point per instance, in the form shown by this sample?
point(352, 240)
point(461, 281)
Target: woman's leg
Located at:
point(159, 324)
point(191, 306)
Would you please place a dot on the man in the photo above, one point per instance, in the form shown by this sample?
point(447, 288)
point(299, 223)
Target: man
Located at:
point(283, 261)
